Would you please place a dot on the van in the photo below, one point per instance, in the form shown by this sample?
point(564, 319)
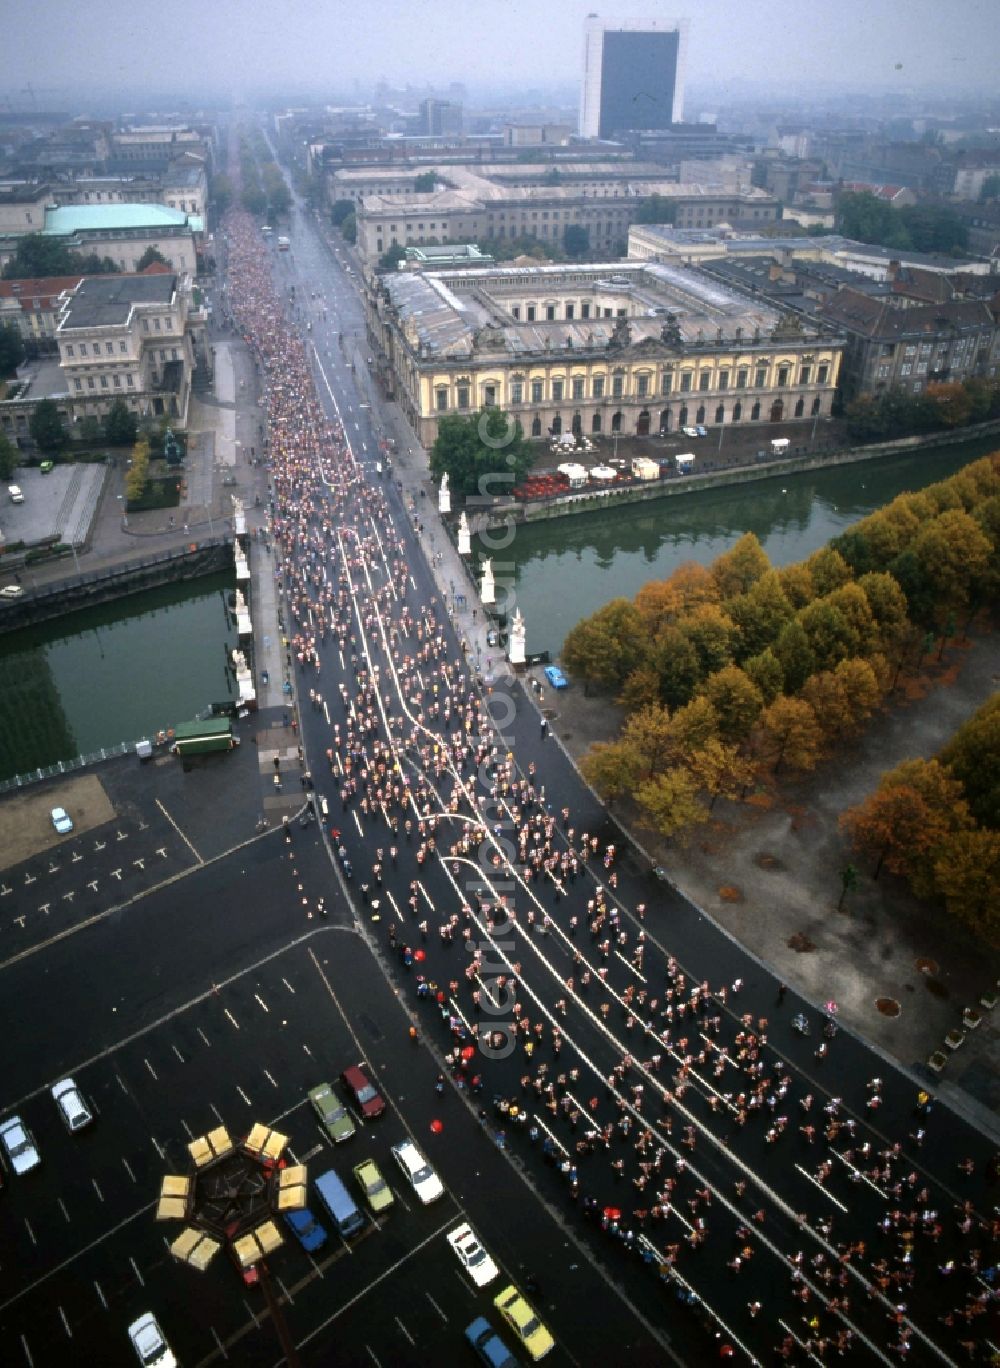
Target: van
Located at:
point(339, 1204)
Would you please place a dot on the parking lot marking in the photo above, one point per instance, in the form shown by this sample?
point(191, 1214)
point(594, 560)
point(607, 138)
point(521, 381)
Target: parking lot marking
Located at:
point(128, 1169)
point(27, 1225)
point(121, 835)
point(372, 1355)
point(190, 1132)
point(62, 1208)
point(116, 874)
point(44, 907)
point(97, 1287)
point(150, 1068)
point(27, 1352)
point(76, 857)
point(29, 879)
point(270, 1079)
point(65, 1322)
point(179, 832)
point(262, 1002)
point(135, 1270)
point(68, 897)
point(231, 1017)
point(204, 1037)
point(287, 985)
point(222, 1347)
point(288, 1295)
point(139, 864)
point(243, 1095)
point(436, 1307)
point(159, 1148)
point(93, 885)
point(307, 1049)
point(97, 1189)
point(162, 852)
point(252, 1313)
point(178, 1053)
point(218, 1114)
point(405, 1331)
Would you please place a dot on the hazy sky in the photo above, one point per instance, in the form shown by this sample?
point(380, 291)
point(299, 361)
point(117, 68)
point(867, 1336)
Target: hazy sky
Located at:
point(56, 45)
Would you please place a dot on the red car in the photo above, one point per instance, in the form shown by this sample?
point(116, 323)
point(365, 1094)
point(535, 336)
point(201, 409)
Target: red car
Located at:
point(367, 1100)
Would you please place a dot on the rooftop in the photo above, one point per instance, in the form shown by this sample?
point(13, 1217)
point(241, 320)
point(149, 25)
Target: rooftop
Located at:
point(92, 218)
point(108, 300)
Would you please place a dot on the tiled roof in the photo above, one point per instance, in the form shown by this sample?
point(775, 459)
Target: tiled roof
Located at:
point(38, 294)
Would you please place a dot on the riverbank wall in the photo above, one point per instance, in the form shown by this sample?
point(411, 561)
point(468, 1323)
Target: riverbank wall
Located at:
point(116, 581)
point(591, 501)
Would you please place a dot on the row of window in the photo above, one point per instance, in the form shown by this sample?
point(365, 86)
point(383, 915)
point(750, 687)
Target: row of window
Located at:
point(81, 347)
point(643, 386)
point(129, 382)
point(643, 421)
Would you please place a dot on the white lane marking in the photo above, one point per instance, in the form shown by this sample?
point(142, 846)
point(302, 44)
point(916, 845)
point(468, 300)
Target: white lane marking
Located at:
point(69, 1332)
point(27, 1352)
point(62, 1208)
point(270, 1079)
point(151, 1069)
point(222, 1347)
point(262, 1002)
point(179, 832)
point(243, 1095)
point(97, 1189)
point(405, 1331)
point(435, 1306)
point(231, 1017)
point(135, 1269)
point(204, 1037)
point(218, 1114)
point(816, 1183)
point(27, 1226)
point(187, 1128)
point(128, 1169)
point(395, 905)
point(357, 823)
point(287, 984)
point(178, 1053)
point(158, 1147)
point(97, 1287)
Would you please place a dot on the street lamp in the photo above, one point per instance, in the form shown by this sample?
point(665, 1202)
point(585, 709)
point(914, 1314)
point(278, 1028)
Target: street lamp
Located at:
point(230, 1201)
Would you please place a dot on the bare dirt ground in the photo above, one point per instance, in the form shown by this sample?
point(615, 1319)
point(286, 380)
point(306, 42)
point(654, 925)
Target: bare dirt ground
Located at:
point(769, 872)
point(26, 828)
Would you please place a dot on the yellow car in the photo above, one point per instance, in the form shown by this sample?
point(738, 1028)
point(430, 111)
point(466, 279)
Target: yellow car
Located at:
point(523, 1321)
point(374, 1186)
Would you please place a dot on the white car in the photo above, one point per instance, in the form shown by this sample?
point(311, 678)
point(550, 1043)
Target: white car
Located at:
point(472, 1256)
point(19, 1143)
point(62, 821)
point(11, 591)
point(16, 494)
point(690, 432)
point(72, 1108)
point(422, 1178)
point(149, 1343)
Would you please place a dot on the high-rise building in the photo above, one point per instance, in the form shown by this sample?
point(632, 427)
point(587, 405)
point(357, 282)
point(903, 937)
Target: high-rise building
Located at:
point(633, 75)
point(441, 118)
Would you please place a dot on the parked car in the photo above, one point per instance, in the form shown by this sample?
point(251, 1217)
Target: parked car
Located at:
point(62, 821)
point(419, 1174)
point(46, 467)
point(364, 1094)
point(11, 591)
point(306, 1229)
point(689, 431)
point(373, 1185)
point(700, 431)
point(556, 677)
point(72, 1108)
point(19, 1144)
point(150, 1344)
point(523, 1321)
point(16, 496)
point(488, 1344)
point(471, 1255)
point(332, 1113)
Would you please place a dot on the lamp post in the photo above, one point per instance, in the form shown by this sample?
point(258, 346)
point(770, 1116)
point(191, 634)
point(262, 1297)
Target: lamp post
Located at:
point(229, 1200)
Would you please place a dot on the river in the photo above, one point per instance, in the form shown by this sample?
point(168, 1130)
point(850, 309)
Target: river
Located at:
point(565, 568)
point(113, 673)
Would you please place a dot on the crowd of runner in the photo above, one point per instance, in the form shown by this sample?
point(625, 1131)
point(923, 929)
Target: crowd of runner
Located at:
point(430, 807)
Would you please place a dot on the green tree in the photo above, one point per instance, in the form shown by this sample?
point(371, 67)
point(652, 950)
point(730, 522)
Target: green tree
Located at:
point(341, 209)
point(120, 424)
point(887, 603)
point(46, 428)
point(389, 260)
point(954, 553)
point(967, 872)
point(934, 228)
point(759, 615)
point(669, 803)
point(973, 757)
point(576, 240)
point(149, 256)
point(89, 429)
point(861, 215)
point(253, 198)
point(11, 348)
point(828, 633)
point(711, 634)
point(737, 702)
point(612, 768)
point(138, 471)
point(656, 209)
point(220, 192)
point(484, 452)
point(349, 228)
point(425, 183)
point(8, 457)
point(795, 655)
point(37, 256)
point(676, 662)
point(828, 571)
point(606, 647)
point(766, 672)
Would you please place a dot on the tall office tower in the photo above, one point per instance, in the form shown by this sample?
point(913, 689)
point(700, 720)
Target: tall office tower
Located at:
point(633, 75)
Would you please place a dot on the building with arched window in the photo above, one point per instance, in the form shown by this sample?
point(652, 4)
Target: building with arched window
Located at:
point(629, 347)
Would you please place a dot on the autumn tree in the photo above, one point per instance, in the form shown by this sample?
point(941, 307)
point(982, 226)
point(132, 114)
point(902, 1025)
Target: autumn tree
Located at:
point(828, 570)
point(973, 757)
point(954, 553)
point(647, 734)
point(692, 728)
point(860, 688)
point(795, 655)
point(852, 603)
point(669, 803)
point(138, 471)
point(711, 634)
point(759, 615)
point(606, 647)
point(640, 688)
point(612, 768)
point(722, 770)
point(663, 601)
point(797, 585)
point(967, 873)
point(828, 633)
point(887, 604)
point(737, 701)
point(676, 663)
point(789, 733)
point(740, 567)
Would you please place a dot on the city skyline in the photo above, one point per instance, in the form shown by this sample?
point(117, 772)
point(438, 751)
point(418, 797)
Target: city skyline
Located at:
point(337, 47)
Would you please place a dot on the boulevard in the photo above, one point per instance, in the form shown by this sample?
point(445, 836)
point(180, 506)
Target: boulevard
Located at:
point(626, 1115)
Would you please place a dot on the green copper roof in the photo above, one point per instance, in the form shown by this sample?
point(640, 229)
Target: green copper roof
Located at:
point(82, 218)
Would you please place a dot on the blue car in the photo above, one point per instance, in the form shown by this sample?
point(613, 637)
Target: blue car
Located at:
point(556, 677)
point(306, 1229)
